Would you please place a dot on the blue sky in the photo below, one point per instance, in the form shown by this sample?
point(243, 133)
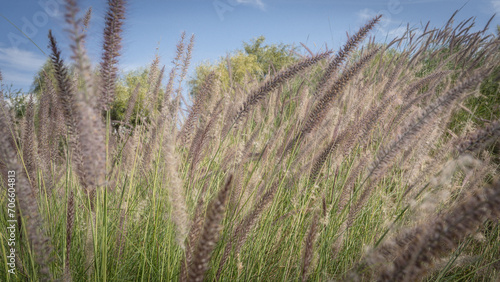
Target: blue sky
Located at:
point(220, 26)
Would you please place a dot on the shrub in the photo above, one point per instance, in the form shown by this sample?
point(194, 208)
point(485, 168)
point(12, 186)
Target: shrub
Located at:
point(287, 177)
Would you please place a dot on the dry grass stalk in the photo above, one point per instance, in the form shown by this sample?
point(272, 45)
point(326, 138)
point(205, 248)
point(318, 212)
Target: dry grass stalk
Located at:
point(269, 85)
point(86, 19)
point(200, 101)
point(111, 46)
point(156, 91)
point(209, 235)
point(185, 65)
point(349, 117)
point(122, 230)
point(65, 91)
point(327, 151)
point(169, 91)
point(70, 217)
point(152, 76)
point(444, 234)
point(155, 133)
point(56, 119)
point(90, 129)
point(92, 139)
point(202, 134)
point(348, 186)
point(176, 191)
point(479, 139)
point(319, 112)
point(86, 92)
point(28, 206)
point(168, 111)
point(67, 100)
point(131, 103)
point(241, 232)
point(387, 155)
point(192, 238)
point(309, 247)
point(45, 146)
point(343, 54)
point(30, 150)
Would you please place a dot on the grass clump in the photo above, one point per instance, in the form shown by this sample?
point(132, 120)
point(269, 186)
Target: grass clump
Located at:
point(340, 166)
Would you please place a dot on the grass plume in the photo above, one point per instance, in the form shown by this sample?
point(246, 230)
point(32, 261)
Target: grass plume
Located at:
point(366, 165)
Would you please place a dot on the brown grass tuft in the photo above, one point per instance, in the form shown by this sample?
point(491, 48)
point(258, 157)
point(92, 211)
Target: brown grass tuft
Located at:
point(70, 217)
point(309, 247)
point(28, 206)
point(269, 85)
point(343, 54)
point(209, 235)
point(444, 234)
point(111, 46)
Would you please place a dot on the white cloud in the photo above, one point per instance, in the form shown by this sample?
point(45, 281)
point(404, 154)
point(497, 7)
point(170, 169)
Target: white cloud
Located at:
point(368, 14)
point(496, 6)
point(17, 78)
point(14, 58)
point(126, 67)
point(257, 3)
point(397, 32)
point(19, 66)
point(388, 25)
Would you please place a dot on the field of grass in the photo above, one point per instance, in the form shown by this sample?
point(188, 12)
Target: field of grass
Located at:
point(376, 162)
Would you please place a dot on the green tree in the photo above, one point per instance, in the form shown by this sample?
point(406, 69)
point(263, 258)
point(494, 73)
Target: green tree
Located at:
point(125, 85)
point(124, 88)
point(253, 62)
point(39, 80)
point(242, 66)
point(16, 101)
point(274, 56)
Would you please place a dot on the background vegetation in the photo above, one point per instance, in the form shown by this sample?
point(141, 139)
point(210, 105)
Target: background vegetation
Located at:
point(374, 162)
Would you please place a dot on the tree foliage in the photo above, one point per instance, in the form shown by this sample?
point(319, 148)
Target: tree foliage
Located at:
point(124, 88)
point(269, 57)
point(39, 80)
point(254, 62)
